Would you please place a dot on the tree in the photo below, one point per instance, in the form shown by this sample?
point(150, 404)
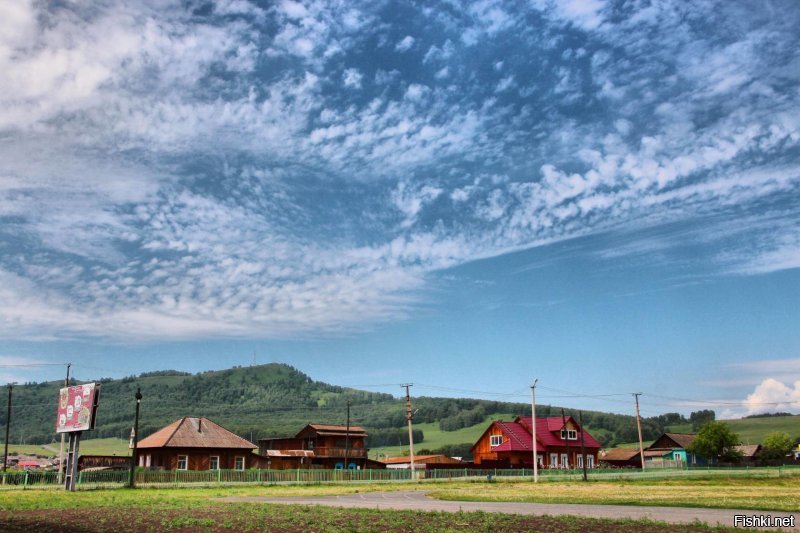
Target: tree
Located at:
point(699, 418)
point(777, 445)
point(716, 440)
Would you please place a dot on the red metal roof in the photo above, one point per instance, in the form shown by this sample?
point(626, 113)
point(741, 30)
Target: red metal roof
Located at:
point(548, 434)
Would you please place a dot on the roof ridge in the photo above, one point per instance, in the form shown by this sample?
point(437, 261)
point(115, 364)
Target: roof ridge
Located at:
point(183, 419)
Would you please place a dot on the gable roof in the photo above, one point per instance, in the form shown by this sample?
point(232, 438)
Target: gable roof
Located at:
point(619, 454)
point(748, 450)
point(548, 434)
point(195, 432)
point(672, 440)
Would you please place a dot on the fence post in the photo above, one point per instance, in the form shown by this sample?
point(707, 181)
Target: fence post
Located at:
point(298, 475)
point(219, 475)
point(25, 483)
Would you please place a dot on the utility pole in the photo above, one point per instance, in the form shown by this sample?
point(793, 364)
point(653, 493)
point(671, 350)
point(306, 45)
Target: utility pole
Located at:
point(566, 434)
point(61, 450)
point(409, 416)
point(8, 426)
point(347, 437)
point(135, 436)
point(533, 422)
point(583, 447)
point(639, 427)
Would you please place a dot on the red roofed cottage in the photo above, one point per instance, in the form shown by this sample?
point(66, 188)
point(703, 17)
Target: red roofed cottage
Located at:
point(557, 445)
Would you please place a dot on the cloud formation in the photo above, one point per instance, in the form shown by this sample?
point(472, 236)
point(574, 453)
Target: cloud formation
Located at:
point(176, 171)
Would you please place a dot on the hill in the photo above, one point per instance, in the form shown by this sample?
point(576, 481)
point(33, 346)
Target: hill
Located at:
point(277, 400)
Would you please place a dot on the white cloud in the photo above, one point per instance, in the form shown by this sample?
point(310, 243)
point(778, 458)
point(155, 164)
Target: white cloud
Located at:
point(352, 78)
point(405, 44)
point(772, 396)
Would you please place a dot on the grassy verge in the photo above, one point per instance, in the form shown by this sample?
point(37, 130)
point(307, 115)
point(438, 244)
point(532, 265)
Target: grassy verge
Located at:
point(245, 517)
point(771, 494)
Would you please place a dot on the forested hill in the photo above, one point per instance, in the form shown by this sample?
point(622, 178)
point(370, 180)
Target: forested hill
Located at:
point(276, 400)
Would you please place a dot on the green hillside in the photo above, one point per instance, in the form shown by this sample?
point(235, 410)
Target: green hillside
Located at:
point(277, 400)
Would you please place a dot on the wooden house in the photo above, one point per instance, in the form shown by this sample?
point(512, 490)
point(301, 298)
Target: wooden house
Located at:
point(196, 444)
point(558, 445)
point(673, 447)
point(318, 446)
point(621, 457)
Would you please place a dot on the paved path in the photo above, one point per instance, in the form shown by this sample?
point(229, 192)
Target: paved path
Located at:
point(418, 500)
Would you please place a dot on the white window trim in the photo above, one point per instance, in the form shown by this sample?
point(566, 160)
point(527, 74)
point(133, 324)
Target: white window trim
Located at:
point(495, 440)
point(564, 460)
point(590, 461)
point(236, 461)
point(553, 460)
point(569, 434)
point(185, 464)
point(210, 462)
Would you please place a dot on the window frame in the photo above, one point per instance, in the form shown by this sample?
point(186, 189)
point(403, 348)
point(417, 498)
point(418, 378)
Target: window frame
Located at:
point(211, 459)
point(495, 440)
point(185, 460)
point(236, 462)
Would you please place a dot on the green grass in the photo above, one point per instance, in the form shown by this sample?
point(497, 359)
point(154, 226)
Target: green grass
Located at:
point(768, 494)
point(436, 438)
point(727, 492)
point(109, 446)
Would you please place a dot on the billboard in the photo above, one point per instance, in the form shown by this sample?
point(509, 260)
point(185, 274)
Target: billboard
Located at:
point(77, 407)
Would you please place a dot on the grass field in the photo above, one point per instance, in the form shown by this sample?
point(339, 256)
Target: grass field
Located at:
point(781, 494)
point(198, 509)
point(297, 518)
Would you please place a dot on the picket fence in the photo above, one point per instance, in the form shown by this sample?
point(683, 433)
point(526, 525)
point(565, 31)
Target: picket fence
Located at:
point(182, 478)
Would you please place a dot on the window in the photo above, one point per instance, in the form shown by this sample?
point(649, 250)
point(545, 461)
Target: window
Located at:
point(183, 462)
point(569, 434)
point(590, 461)
point(580, 461)
point(564, 461)
point(553, 460)
point(495, 440)
point(213, 462)
point(239, 463)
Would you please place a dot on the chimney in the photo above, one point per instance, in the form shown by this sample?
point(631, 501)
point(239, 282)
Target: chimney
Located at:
point(200, 425)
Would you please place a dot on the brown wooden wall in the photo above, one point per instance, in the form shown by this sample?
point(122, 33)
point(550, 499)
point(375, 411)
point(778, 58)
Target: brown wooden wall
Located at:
point(198, 458)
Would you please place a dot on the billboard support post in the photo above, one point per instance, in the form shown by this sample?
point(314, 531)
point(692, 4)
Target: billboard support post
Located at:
point(72, 460)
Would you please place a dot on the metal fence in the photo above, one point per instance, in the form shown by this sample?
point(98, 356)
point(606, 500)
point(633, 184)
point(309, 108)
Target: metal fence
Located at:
point(177, 478)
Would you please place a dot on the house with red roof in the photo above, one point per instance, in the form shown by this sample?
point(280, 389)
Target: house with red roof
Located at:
point(558, 444)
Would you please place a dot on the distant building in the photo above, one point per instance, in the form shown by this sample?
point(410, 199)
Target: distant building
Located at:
point(558, 445)
point(420, 461)
point(318, 446)
point(621, 457)
point(193, 443)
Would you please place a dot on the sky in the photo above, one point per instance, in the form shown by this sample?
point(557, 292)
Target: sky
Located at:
point(467, 196)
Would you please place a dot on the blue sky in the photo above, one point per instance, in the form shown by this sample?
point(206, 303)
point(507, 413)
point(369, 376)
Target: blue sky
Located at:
point(467, 196)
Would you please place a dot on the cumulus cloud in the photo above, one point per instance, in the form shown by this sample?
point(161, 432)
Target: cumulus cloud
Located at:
point(772, 395)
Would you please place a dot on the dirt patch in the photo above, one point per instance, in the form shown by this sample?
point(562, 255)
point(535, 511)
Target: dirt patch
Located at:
point(302, 518)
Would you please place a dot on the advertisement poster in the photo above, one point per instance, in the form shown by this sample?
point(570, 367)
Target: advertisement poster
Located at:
point(76, 408)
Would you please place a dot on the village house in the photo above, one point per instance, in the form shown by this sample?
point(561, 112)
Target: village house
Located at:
point(318, 446)
point(671, 449)
point(196, 443)
point(558, 445)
